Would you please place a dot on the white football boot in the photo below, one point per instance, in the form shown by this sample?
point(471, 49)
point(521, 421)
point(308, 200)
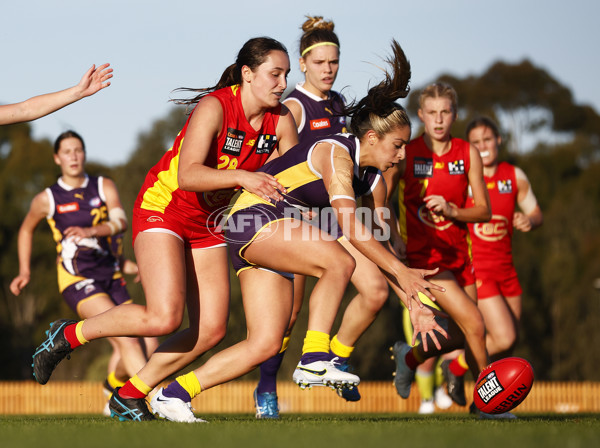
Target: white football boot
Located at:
point(323, 373)
point(173, 409)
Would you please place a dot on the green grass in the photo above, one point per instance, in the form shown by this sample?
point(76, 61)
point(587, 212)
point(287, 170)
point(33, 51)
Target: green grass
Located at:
point(327, 431)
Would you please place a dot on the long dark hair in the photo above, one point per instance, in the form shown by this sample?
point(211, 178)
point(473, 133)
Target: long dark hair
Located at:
point(378, 110)
point(67, 134)
point(253, 53)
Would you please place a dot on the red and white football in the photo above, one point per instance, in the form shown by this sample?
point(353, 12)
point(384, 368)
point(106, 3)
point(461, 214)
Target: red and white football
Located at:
point(503, 385)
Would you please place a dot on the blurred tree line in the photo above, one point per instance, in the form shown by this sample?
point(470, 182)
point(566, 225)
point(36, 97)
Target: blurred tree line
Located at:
point(557, 264)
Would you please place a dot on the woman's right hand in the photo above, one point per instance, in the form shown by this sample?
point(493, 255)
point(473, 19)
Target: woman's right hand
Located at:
point(261, 184)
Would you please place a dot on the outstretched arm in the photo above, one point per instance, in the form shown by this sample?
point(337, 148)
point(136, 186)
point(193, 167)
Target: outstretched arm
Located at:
point(93, 80)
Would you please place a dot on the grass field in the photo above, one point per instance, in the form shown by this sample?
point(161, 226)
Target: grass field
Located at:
point(301, 430)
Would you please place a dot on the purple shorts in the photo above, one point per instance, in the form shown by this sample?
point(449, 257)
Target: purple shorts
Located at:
point(88, 289)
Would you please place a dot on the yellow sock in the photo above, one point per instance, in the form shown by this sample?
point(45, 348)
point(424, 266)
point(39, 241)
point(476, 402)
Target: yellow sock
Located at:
point(140, 385)
point(438, 373)
point(315, 341)
point(339, 349)
point(190, 384)
point(285, 344)
point(425, 384)
point(462, 361)
point(417, 355)
point(79, 334)
point(113, 381)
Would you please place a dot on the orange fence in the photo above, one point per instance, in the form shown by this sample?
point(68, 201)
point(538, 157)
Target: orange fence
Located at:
point(28, 397)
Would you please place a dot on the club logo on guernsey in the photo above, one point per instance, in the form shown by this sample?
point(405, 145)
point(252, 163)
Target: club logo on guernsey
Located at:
point(321, 123)
point(505, 186)
point(67, 208)
point(422, 167)
point(493, 230)
point(489, 387)
point(233, 142)
point(96, 202)
point(456, 167)
point(266, 143)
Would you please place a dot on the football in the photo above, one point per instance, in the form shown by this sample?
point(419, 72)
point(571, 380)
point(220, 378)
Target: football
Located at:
point(503, 385)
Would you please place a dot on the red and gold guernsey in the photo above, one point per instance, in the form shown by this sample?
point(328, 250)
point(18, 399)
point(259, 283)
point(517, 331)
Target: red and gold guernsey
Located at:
point(433, 240)
point(492, 241)
point(238, 146)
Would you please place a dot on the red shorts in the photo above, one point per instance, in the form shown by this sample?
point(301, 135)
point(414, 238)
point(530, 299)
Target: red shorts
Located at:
point(464, 275)
point(194, 234)
point(492, 283)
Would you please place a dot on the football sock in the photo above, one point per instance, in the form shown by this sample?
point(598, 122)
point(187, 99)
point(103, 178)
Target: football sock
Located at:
point(113, 381)
point(74, 336)
point(316, 347)
point(134, 388)
point(269, 369)
point(339, 350)
point(458, 366)
point(425, 384)
point(175, 390)
point(189, 382)
point(413, 359)
point(438, 374)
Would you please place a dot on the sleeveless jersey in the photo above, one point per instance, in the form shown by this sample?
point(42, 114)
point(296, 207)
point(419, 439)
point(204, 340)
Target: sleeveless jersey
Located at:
point(319, 117)
point(492, 241)
point(305, 188)
point(238, 146)
point(84, 206)
point(433, 240)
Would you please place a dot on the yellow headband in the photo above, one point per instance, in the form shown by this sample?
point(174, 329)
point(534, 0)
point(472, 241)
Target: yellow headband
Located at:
point(320, 44)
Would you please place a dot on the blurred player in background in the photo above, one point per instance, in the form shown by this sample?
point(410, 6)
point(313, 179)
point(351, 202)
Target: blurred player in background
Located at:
point(85, 214)
point(498, 288)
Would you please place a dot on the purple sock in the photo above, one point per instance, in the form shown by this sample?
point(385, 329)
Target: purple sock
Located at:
point(340, 359)
point(309, 357)
point(174, 390)
point(268, 374)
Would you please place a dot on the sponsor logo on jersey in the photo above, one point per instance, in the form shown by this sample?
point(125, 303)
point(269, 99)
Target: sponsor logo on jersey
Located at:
point(439, 166)
point(321, 123)
point(493, 230)
point(96, 202)
point(489, 387)
point(422, 167)
point(505, 186)
point(266, 143)
point(154, 219)
point(78, 196)
point(233, 142)
point(456, 167)
point(67, 208)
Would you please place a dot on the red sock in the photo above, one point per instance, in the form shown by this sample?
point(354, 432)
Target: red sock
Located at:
point(456, 368)
point(130, 391)
point(411, 361)
point(71, 336)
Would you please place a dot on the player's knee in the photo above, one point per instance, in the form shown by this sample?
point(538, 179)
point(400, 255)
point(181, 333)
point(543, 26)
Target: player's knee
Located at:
point(343, 266)
point(164, 324)
point(376, 296)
